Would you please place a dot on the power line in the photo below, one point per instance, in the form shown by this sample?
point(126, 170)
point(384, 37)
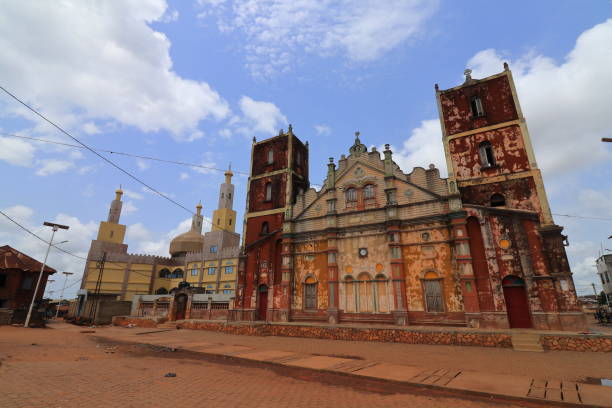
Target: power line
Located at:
point(94, 152)
point(42, 239)
point(123, 153)
point(583, 216)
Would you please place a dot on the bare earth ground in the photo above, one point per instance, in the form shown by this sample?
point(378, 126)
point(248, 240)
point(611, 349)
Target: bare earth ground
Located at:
point(64, 368)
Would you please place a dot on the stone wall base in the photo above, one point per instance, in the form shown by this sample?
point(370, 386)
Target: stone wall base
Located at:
point(449, 336)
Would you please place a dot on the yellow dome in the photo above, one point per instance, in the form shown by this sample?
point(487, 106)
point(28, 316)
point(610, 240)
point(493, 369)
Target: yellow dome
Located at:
point(189, 241)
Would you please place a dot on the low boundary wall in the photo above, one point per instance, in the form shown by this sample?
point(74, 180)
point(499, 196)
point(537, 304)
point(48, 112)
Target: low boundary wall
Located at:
point(407, 335)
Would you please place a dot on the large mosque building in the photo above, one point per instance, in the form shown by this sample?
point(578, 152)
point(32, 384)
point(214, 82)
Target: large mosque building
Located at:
point(205, 261)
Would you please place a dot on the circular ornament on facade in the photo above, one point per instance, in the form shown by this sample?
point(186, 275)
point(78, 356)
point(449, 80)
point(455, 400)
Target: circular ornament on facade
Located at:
point(379, 267)
point(408, 193)
point(425, 236)
point(363, 252)
point(504, 243)
point(348, 269)
point(358, 172)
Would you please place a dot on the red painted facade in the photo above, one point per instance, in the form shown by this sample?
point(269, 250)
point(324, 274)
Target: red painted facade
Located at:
point(478, 249)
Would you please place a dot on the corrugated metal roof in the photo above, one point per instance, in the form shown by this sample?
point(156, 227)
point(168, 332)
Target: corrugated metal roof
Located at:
point(10, 258)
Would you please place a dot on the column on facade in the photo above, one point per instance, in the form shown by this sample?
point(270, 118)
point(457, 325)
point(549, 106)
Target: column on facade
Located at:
point(463, 260)
point(287, 273)
point(332, 277)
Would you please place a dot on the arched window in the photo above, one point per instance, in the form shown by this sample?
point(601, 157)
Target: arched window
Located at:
point(177, 273)
point(310, 293)
point(498, 200)
point(265, 228)
point(365, 293)
point(268, 191)
point(381, 286)
point(476, 106)
point(164, 273)
point(270, 156)
point(432, 291)
point(487, 159)
point(368, 192)
point(161, 291)
point(351, 195)
point(349, 295)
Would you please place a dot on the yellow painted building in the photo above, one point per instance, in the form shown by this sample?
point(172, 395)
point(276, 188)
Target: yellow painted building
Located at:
point(208, 261)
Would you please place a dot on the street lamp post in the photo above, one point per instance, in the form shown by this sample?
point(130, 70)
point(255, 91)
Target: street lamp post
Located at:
point(62, 292)
point(42, 269)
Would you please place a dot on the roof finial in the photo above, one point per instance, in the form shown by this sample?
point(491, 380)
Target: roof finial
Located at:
point(290, 130)
point(468, 74)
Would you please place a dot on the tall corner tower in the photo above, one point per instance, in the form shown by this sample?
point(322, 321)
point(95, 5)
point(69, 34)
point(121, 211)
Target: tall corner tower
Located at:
point(487, 145)
point(110, 230)
point(224, 217)
point(279, 171)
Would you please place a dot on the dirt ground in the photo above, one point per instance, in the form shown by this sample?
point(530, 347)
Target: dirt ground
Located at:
point(65, 368)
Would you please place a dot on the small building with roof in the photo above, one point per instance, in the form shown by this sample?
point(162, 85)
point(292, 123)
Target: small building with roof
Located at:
point(18, 276)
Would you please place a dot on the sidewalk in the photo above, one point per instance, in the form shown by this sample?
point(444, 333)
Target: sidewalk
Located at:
point(513, 387)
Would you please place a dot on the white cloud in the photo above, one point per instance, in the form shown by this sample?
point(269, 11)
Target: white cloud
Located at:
point(567, 104)
point(53, 166)
point(142, 164)
point(16, 152)
point(263, 117)
point(323, 130)
point(90, 128)
point(225, 133)
point(100, 60)
point(422, 148)
point(207, 161)
point(278, 31)
point(128, 208)
point(184, 176)
point(79, 235)
point(146, 242)
point(170, 16)
point(132, 194)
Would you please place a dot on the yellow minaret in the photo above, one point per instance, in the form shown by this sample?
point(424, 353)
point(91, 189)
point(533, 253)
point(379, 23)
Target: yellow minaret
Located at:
point(110, 230)
point(224, 217)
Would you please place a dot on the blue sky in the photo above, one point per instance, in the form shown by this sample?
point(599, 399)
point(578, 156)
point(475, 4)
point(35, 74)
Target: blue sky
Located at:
point(194, 81)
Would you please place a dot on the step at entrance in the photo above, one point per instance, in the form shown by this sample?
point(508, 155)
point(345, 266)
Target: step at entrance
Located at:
point(526, 342)
point(167, 325)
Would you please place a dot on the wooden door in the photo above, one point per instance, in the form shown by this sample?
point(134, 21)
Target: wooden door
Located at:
point(180, 307)
point(263, 302)
point(310, 296)
point(516, 302)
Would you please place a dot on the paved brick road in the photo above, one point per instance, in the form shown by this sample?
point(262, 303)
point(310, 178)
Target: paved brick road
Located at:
point(67, 369)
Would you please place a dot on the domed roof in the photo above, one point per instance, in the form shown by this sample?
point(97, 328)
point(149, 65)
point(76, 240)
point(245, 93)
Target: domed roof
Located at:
point(190, 241)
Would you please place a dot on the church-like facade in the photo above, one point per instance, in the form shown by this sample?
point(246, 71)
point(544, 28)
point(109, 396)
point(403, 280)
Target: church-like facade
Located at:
point(378, 245)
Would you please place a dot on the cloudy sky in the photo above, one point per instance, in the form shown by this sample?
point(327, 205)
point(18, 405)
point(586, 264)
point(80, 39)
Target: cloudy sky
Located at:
point(194, 81)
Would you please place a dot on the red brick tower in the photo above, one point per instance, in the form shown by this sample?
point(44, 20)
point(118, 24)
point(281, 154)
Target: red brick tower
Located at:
point(522, 276)
point(279, 171)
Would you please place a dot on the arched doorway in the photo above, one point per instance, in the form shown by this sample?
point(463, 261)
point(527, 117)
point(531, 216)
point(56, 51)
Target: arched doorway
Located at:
point(263, 302)
point(180, 306)
point(516, 302)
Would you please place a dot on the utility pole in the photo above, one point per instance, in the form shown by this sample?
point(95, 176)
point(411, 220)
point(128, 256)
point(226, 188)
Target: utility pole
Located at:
point(94, 305)
point(42, 269)
point(62, 292)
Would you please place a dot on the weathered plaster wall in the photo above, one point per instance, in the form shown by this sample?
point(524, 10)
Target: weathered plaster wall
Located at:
point(497, 101)
point(508, 149)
